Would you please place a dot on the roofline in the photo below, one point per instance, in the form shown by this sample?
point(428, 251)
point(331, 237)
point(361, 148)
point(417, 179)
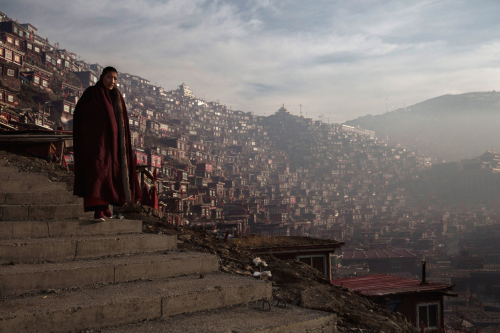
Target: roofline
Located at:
point(361, 259)
point(292, 249)
point(440, 290)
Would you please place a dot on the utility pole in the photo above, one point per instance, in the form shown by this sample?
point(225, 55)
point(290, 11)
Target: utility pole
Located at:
point(300, 105)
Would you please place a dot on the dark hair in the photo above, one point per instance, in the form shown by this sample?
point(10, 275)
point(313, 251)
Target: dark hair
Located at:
point(108, 69)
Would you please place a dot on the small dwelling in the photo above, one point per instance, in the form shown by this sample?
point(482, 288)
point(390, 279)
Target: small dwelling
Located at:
point(317, 256)
point(419, 301)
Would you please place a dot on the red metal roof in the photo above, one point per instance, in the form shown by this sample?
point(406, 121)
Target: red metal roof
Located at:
point(381, 284)
point(378, 254)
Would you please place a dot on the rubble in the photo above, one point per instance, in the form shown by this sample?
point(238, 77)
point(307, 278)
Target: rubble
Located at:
point(29, 164)
point(295, 282)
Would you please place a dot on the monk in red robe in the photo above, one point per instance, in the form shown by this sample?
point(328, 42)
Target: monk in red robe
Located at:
point(104, 165)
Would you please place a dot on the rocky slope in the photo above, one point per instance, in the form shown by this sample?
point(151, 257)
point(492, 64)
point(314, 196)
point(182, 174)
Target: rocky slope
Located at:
point(293, 281)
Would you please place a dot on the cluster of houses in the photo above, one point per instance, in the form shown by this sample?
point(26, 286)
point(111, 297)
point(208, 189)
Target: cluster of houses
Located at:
point(399, 218)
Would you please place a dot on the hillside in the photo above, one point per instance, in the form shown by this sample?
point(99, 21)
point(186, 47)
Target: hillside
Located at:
point(449, 127)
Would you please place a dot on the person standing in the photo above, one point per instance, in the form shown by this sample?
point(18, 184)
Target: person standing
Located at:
point(104, 165)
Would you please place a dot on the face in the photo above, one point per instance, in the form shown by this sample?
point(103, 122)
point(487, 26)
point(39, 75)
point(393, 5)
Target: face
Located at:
point(109, 80)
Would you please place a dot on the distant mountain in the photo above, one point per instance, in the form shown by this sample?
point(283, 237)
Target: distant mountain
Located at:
point(449, 127)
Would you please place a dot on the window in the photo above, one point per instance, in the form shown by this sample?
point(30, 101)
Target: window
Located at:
point(47, 57)
point(316, 261)
point(72, 110)
point(10, 72)
point(481, 288)
point(10, 98)
point(396, 264)
point(8, 54)
point(15, 30)
point(10, 40)
point(37, 49)
point(1, 52)
point(30, 46)
point(496, 289)
point(17, 58)
point(66, 108)
point(428, 314)
point(37, 79)
point(45, 83)
point(16, 42)
point(21, 33)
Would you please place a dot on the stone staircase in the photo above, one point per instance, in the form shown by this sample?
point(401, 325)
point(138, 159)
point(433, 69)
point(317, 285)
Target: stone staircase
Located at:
point(62, 272)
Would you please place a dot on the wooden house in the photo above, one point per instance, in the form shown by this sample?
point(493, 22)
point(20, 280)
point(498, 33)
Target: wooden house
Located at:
point(88, 78)
point(142, 156)
point(14, 29)
point(8, 97)
point(11, 62)
point(154, 160)
point(420, 301)
point(38, 77)
point(65, 108)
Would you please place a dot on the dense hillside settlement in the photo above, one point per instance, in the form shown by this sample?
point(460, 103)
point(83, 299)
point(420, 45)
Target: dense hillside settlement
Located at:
point(236, 173)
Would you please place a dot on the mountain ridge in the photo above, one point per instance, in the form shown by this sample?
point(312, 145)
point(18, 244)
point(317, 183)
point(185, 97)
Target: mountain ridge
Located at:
point(447, 127)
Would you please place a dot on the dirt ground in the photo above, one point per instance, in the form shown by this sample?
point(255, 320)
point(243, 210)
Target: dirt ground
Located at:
point(28, 164)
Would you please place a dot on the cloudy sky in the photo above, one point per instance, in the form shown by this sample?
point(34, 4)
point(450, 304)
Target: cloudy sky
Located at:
point(337, 58)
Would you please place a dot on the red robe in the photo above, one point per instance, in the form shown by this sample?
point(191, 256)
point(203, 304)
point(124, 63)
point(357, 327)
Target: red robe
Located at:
point(104, 164)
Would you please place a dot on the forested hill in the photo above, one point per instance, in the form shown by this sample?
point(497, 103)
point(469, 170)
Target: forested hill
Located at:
point(449, 127)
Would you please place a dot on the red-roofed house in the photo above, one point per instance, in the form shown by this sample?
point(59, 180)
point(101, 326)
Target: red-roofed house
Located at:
point(419, 301)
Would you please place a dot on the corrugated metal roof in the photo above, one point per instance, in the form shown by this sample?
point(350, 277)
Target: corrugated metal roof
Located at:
point(382, 284)
point(377, 254)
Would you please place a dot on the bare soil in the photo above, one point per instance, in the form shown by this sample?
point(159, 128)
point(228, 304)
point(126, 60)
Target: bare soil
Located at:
point(29, 164)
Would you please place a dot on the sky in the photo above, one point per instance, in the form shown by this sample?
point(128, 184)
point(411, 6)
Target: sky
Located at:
point(339, 59)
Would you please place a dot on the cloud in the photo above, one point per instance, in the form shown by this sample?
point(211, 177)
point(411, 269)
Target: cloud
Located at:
point(338, 58)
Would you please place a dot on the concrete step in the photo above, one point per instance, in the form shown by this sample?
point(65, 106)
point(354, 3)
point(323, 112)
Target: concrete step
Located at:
point(246, 318)
point(92, 308)
point(22, 176)
point(7, 169)
point(61, 249)
point(30, 186)
point(59, 197)
point(67, 228)
point(42, 212)
point(25, 278)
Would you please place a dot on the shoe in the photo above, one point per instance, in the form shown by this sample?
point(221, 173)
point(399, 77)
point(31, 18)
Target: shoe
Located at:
point(99, 216)
point(107, 213)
